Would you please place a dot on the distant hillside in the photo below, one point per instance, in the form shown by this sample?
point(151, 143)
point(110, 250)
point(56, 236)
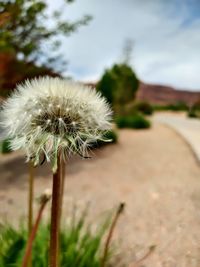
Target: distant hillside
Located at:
point(158, 94)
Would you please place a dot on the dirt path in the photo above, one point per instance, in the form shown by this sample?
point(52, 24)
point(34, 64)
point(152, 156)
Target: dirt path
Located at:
point(153, 171)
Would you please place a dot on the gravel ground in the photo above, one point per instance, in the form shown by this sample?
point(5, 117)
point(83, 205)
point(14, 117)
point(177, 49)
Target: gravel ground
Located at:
point(153, 171)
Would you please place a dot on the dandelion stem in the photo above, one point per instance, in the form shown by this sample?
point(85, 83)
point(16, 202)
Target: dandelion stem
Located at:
point(62, 167)
point(110, 234)
point(55, 215)
point(31, 238)
point(62, 186)
point(30, 197)
point(30, 202)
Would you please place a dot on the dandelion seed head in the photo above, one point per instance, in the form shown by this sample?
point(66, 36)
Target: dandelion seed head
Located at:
point(47, 115)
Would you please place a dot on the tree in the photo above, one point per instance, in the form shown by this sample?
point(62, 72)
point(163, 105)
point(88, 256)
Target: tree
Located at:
point(127, 51)
point(119, 85)
point(25, 26)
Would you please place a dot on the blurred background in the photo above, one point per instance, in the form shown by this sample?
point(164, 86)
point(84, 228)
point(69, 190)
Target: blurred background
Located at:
point(143, 56)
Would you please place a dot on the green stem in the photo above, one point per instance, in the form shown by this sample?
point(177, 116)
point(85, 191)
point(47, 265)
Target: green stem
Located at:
point(30, 197)
point(62, 186)
point(30, 201)
point(55, 216)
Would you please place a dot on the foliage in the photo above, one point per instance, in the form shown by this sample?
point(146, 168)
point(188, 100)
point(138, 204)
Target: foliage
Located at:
point(194, 111)
point(192, 114)
point(137, 107)
point(119, 85)
point(80, 247)
point(136, 121)
point(127, 50)
point(111, 136)
point(179, 106)
point(5, 146)
point(25, 25)
point(144, 107)
point(28, 31)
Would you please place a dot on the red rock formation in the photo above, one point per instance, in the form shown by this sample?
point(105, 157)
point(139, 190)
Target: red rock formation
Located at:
point(163, 95)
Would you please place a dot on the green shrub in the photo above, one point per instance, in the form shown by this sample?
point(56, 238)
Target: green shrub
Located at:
point(119, 85)
point(111, 136)
point(179, 106)
point(5, 146)
point(135, 122)
point(80, 247)
point(144, 107)
point(194, 111)
point(192, 114)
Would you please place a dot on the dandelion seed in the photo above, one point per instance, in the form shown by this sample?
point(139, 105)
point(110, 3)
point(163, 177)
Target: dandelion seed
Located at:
point(64, 116)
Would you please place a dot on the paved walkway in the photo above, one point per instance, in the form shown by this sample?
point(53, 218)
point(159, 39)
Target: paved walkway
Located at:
point(189, 128)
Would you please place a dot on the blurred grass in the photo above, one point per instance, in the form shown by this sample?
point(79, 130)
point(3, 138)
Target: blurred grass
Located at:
point(80, 245)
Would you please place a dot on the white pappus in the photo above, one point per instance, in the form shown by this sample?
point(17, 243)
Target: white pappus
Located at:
point(47, 115)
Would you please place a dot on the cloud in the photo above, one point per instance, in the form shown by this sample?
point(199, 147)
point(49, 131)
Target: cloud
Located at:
point(166, 38)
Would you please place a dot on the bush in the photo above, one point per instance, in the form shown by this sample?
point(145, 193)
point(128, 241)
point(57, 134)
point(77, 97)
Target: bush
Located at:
point(194, 111)
point(192, 114)
point(119, 85)
point(5, 147)
point(144, 107)
point(79, 246)
point(179, 106)
point(135, 122)
point(111, 136)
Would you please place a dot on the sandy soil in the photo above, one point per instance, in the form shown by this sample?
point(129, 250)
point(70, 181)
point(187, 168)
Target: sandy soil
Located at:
point(153, 171)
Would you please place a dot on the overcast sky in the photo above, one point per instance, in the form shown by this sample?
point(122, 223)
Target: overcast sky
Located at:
point(166, 35)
